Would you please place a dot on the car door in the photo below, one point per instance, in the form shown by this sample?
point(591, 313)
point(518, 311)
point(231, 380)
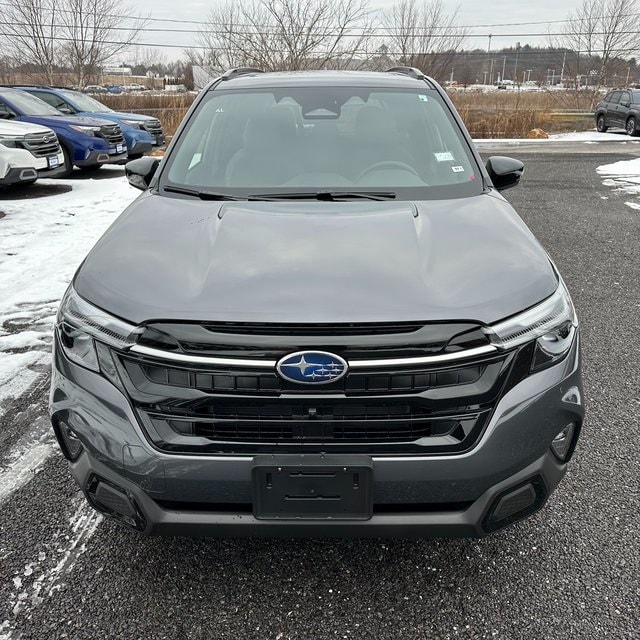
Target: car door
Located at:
point(624, 107)
point(612, 116)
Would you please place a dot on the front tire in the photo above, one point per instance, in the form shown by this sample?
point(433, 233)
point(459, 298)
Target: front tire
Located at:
point(600, 124)
point(631, 127)
point(68, 164)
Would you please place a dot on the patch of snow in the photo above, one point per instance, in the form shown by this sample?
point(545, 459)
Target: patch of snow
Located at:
point(42, 242)
point(623, 177)
point(591, 136)
point(39, 579)
point(26, 458)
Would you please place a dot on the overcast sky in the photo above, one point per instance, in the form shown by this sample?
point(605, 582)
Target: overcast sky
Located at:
point(472, 13)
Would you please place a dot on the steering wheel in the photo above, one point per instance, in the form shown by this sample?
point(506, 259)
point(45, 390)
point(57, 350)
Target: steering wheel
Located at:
point(388, 164)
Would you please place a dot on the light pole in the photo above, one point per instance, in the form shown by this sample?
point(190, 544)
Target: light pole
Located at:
point(515, 70)
point(504, 64)
point(628, 72)
point(491, 65)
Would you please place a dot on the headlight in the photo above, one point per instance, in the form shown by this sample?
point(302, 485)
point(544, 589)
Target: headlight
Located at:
point(80, 324)
point(552, 324)
point(87, 130)
point(136, 124)
point(13, 142)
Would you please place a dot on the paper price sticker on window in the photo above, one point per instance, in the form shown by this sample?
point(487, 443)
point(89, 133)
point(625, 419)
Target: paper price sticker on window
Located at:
point(422, 98)
point(457, 169)
point(445, 156)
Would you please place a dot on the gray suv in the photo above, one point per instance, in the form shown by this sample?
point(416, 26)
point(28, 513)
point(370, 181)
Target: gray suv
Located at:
point(619, 108)
point(321, 318)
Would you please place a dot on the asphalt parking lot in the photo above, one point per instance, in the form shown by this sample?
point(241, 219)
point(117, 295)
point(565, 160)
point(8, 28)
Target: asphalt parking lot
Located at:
point(571, 571)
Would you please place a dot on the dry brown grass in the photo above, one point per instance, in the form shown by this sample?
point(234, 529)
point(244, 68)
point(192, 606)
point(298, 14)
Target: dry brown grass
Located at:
point(499, 114)
point(512, 114)
point(169, 108)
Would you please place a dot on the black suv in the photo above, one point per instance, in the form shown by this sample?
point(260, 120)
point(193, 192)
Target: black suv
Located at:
point(321, 317)
point(620, 108)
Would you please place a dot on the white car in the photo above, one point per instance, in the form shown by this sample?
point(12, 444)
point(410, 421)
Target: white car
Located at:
point(28, 152)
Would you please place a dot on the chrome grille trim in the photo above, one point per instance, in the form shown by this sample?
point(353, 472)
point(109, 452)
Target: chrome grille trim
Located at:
point(353, 364)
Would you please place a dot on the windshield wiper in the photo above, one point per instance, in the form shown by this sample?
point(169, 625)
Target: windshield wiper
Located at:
point(203, 195)
point(331, 196)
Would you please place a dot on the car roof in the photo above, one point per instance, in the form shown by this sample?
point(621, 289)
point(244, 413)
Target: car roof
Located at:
point(254, 79)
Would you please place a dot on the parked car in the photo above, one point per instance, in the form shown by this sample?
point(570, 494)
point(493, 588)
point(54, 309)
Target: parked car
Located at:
point(114, 88)
point(141, 133)
point(87, 143)
point(94, 88)
point(28, 152)
point(619, 108)
point(321, 317)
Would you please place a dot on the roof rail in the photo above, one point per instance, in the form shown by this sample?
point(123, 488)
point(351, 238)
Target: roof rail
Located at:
point(408, 71)
point(239, 71)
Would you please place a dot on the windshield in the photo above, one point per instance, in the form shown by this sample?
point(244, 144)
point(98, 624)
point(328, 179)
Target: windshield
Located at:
point(288, 140)
point(85, 103)
point(29, 105)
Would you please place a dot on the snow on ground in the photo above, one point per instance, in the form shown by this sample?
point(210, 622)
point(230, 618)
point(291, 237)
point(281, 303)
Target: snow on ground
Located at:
point(624, 177)
point(588, 137)
point(42, 242)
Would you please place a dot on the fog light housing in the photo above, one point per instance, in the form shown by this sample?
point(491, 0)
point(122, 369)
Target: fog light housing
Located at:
point(561, 445)
point(69, 442)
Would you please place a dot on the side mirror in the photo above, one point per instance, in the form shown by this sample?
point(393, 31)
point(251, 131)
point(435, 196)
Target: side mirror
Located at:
point(504, 172)
point(625, 104)
point(66, 110)
point(140, 172)
point(5, 115)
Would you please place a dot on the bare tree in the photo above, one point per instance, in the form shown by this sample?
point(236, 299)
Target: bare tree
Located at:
point(77, 34)
point(31, 34)
point(286, 34)
point(94, 34)
point(425, 35)
point(599, 32)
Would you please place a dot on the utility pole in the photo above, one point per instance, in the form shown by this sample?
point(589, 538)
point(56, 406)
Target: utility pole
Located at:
point(564, 59)
point(491, 66)
point(515, 70)
point(504, 64)
point(628, 72)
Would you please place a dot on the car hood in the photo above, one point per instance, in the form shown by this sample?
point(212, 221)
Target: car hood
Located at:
point(64, 120)
point(170, 258)
point(12, 127)
point(119, 115)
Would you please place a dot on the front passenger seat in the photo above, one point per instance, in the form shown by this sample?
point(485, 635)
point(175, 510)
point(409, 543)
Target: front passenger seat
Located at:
point(267, 158)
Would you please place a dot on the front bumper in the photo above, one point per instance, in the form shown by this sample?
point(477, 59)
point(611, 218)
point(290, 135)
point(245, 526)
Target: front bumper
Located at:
point(94, 158)
point(437, 495)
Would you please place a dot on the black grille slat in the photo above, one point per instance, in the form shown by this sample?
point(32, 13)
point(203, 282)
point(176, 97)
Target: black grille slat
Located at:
point(270, 384)
point(306, 329)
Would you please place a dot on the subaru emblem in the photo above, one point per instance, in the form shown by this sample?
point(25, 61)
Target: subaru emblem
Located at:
point(312, 367)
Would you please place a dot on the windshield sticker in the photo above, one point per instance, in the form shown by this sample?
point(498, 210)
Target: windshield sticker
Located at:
point(457, 169)
point(423, 98)
point(446, 156)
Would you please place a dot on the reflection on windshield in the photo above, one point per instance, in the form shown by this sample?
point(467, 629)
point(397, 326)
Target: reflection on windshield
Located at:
point(29, 105)
point(86, 103)
point(322, 138)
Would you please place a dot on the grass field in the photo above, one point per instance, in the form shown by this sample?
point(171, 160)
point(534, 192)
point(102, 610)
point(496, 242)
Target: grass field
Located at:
point(497, 114)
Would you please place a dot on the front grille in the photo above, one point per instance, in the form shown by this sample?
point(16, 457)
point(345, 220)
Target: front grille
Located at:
point(152, 126)
point(111, 133)
point(418, 409)
point(42, 144)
